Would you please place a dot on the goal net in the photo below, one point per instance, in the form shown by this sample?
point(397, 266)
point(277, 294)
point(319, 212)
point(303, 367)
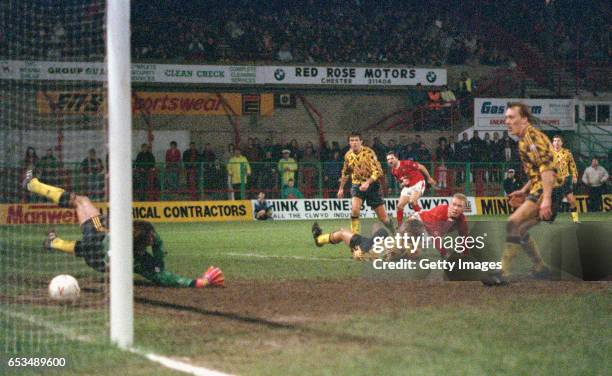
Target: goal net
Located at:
point(52, 116)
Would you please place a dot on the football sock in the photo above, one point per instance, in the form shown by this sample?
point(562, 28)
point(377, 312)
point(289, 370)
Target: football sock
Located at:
point(574, 214)
point(512, 250)
point(416, 207)
point(324, 239)
point(52, 193)
point(355, 225)
point(532, 251)
point(400, 216)
point(66, 246)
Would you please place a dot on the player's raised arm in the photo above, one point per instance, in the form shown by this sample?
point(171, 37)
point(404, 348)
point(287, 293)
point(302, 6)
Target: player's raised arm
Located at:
point(425, 173)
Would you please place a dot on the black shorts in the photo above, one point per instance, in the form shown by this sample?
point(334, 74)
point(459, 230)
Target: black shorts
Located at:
point(91, 247)
point(567, 187)
point(365, 243)
point(557, 198)
point(371, 196)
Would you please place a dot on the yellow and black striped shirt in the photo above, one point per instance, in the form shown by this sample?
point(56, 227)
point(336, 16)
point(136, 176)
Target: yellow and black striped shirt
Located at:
point(362, 165)
point(565, 163)
point(536, 152)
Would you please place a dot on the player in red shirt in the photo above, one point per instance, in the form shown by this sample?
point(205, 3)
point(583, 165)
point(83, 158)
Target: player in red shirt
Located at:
point(440, 220)
point(410, 176)
point(436, 222)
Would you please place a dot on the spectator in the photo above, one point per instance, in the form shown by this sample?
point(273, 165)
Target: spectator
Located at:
point(466, 85)
point(391, 146)
point(422, 154)
point(510, 148)
point(284, 54)
point(294, 147)
point(379, 149)
point(463, 149)
point(263, 209)
point(441, 175)
point(269, 147)
point(406, 152)
point(332, 171)
point(417, 142)
point(497, 148)
point(336, 147)
point(443, 152)
point(290, 191)
point(93, 169)
point(173, 161)
point(401, 147)
point(30, 160)
point(48, 167)
point(287, 167)
point(145, 168)
point(209, 168)
point(310, 169)
point(434, 98)
point(478, 152)
point(448, 97)
point(595, 177)
point(325, 152)
point(417, 96)
point(254, 155)
point(191, 157)
point(269, 176)
point(238, 170)
point(511, 183)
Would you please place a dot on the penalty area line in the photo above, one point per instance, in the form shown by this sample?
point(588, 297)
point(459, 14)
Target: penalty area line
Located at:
point(72, 335)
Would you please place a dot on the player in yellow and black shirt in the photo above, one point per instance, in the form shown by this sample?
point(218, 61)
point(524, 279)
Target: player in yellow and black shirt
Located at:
point(538, 200)
point(365, 171)
point(566, 169)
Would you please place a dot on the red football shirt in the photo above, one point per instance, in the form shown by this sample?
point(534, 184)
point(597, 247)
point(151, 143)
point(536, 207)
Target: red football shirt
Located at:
point(408, 169)
point(438, 223)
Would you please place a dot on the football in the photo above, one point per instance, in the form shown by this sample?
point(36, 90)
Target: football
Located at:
point(64, 288)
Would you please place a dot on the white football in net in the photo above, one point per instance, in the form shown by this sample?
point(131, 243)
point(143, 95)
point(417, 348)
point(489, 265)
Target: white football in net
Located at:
point(64, 288)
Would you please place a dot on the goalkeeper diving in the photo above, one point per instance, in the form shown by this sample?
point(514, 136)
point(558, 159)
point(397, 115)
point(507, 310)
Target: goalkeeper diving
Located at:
point(92, 247)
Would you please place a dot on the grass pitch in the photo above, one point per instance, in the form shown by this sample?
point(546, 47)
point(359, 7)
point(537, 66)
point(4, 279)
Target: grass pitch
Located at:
point(291, 308)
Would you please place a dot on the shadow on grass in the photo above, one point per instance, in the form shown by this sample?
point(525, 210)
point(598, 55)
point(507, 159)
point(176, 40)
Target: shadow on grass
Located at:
point(340, 337)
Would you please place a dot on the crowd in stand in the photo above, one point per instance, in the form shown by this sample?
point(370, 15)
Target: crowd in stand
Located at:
point(312, 31)
point(559, 28)
point(290, 170)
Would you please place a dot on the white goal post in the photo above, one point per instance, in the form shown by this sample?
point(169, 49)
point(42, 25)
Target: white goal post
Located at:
point(120, 148)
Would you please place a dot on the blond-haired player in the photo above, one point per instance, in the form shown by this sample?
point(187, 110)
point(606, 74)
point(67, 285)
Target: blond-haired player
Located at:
point(538, 200)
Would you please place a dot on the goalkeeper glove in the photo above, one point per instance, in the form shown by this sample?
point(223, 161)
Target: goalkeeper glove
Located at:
point(213, 277)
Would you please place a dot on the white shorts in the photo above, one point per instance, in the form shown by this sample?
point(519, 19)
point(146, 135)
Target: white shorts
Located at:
point(418, 187)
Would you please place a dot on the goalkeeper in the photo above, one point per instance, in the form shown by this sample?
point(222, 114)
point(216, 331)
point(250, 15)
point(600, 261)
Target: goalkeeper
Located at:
point(92, 248)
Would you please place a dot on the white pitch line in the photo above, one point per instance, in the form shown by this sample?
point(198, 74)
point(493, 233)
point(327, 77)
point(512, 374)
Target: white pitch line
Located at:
point(178, 365)
point(72, 335)
point(256, 255)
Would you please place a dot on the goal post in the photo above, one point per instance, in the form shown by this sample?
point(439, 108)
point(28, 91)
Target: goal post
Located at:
point(120, 148)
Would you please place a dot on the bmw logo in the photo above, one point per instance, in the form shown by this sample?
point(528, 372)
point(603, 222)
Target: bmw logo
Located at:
point(279, 74)
point(431, 76)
